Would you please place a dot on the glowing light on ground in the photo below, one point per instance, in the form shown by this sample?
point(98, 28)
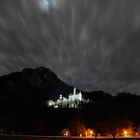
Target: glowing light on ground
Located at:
point(125, 132)
point(66, 132)
point(89, 133)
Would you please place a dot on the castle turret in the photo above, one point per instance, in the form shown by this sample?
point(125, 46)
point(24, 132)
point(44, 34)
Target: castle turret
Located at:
point(74, 91)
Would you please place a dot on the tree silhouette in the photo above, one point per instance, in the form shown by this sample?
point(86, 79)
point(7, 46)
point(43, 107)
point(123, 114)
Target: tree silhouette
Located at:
point(115, 124)
point(77, 126)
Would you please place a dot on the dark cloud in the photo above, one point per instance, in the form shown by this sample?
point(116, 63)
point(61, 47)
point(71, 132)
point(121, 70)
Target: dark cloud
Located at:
point(93, 44)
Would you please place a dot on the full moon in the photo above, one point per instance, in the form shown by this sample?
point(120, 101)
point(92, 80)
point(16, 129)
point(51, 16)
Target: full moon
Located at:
point(45, 4)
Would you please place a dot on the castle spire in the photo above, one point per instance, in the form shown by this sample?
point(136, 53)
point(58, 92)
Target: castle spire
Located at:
point(74, 90)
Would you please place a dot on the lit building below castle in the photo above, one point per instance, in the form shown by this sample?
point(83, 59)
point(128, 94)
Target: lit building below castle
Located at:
point(74, 100)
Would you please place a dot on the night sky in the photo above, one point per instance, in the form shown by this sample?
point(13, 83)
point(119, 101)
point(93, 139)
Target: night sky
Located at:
point(92, 44)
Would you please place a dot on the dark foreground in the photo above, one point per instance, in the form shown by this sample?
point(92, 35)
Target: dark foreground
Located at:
point(17, 137)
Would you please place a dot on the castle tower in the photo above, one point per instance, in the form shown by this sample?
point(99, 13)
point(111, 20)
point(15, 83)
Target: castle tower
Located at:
point(74, 90)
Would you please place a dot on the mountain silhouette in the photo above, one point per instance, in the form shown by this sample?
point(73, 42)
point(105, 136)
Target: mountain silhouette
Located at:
point(23, 108)
point(23, 95)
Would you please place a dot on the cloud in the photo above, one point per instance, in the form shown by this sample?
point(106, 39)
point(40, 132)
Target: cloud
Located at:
point(90, 44)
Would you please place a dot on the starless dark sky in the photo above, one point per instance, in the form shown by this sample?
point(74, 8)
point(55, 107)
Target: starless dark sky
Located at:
point(92, 44)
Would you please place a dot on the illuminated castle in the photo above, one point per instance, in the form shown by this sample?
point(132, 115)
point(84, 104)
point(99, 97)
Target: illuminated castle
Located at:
point(74, 100)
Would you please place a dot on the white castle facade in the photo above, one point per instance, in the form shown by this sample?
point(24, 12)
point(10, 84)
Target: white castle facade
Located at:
point(73, 101)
